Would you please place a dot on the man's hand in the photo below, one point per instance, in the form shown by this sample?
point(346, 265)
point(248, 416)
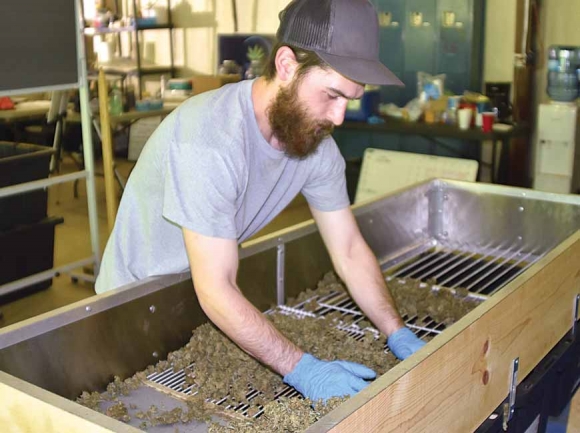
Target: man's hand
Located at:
point(316, 379)
point(403, 343)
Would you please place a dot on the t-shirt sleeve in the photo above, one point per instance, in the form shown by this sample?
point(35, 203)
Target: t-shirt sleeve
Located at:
point(325, 188)
point(200, 190)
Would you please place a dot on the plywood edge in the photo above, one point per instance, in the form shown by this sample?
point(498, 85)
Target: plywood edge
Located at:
point(442, 387)
point(25, 408)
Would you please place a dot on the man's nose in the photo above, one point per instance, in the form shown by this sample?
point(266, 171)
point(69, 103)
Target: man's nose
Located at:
point(336, 114)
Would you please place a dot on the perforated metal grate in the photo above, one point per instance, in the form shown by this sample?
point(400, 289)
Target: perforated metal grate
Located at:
point(481, 269)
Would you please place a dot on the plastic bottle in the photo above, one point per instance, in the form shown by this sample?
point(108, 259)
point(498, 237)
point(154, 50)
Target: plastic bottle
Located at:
point(115, 101)
point(163, 87)
point(562, 73)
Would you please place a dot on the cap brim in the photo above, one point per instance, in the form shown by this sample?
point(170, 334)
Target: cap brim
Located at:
point(362, 70)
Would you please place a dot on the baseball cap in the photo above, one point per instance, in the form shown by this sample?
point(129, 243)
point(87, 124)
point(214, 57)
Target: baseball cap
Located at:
point(343, 33)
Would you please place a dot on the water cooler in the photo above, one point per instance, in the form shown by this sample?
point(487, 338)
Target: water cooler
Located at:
point(556, 169)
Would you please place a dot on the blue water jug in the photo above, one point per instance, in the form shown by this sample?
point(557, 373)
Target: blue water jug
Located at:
point(563, 70)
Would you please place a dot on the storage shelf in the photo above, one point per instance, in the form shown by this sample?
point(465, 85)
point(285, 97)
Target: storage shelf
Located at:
point(152, 70)
point(129, 67)
point(94, 31)
point(131, 63)
point(154, 26)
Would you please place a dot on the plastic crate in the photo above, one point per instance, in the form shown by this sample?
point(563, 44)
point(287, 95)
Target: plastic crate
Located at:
point(27, 250)
point(19, 163)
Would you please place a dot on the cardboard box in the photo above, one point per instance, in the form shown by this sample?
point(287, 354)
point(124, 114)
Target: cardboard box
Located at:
point(203, 83)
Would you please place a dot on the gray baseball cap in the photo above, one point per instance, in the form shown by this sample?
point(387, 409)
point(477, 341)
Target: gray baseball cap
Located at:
point(343, 33)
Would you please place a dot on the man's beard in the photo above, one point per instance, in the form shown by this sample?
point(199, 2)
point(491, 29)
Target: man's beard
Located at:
point(291, 124)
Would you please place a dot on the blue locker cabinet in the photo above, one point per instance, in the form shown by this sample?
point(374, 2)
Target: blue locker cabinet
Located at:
point(434, 36)
point(392, 17)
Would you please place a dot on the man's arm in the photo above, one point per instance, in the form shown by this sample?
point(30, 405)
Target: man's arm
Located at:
point(214, 265)
point(357, 266)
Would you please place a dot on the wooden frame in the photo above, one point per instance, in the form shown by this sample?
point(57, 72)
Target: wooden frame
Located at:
point(456, 385)
point(27, 408)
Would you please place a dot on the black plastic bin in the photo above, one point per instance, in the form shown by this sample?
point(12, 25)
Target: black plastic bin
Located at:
point(545, 390)
point(27, 250)
point(19, 163)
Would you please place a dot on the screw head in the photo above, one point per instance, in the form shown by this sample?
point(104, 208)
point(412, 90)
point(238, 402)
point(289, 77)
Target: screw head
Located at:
point(88, 309)
point(152, 308)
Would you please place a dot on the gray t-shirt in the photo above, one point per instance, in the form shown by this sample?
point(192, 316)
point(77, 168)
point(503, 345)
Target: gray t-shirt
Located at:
point(208, 168)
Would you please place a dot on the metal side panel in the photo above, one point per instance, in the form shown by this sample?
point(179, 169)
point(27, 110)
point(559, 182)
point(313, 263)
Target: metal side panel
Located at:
point(306, 262)
point(257, 278)
point(538, 221)
point(84, 353)
point(398, 221)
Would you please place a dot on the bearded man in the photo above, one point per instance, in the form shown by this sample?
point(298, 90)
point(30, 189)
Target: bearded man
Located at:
point(226, 162)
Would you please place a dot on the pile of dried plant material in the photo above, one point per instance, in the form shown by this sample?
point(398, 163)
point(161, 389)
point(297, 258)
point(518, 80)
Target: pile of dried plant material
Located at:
point(220, 369)
point(443, 305)
point(197, 410)
point(281, 416)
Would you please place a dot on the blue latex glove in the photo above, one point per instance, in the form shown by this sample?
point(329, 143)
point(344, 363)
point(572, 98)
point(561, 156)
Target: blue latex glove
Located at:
point(316, 379)
point(403, 343)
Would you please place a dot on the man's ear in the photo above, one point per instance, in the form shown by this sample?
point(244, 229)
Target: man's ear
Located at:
point(286, 64)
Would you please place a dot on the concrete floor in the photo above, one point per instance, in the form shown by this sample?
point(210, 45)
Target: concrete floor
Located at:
point(72, 243)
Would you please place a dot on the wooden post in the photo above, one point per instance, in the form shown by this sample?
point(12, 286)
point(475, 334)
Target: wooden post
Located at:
point(523, 90)
point(111, 195)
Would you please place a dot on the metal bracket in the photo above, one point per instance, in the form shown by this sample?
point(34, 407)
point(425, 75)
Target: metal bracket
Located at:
point(436, 196)
point(575, 317)
point(280, 292)
point(509, 405)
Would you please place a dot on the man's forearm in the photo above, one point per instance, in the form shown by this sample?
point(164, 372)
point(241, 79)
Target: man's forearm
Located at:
point(362, 275)
point(249, 329)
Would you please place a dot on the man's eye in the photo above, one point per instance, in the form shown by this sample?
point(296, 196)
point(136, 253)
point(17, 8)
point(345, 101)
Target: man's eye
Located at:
point(332, 96)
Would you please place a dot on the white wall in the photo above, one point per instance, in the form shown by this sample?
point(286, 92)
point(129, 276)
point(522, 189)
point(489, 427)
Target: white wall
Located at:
point(199, 22)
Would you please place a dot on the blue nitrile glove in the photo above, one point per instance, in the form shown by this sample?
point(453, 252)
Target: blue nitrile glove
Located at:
point(403, 343)
point(316, 379)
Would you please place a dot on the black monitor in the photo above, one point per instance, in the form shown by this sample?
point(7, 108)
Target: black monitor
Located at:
point(38, 45)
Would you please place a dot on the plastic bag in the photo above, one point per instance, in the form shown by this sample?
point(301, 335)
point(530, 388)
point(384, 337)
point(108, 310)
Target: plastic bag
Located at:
point(410, 112)
point(430, 87)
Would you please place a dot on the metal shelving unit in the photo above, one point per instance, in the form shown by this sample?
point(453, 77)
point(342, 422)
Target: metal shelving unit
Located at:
point(153, 70)
point(135, 66)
